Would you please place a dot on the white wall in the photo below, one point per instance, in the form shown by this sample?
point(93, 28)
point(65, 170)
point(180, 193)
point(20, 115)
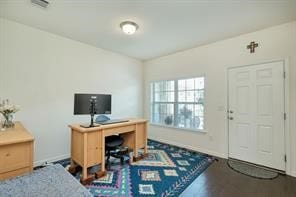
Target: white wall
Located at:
point(212, 60)
point(42, 71)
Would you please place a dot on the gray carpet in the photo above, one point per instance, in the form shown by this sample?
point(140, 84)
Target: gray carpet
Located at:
point(252, 170)
point(51, 181)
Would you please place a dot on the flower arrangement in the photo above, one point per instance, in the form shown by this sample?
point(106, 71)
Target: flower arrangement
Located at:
point(8, 110)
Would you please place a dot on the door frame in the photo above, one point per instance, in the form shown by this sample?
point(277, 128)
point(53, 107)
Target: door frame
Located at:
point(286, 107)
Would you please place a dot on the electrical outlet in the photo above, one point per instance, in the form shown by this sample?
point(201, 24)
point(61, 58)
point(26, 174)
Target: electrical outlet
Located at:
point(46, 164)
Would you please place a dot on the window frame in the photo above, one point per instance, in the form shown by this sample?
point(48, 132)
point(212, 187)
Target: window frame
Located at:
point(175, 103)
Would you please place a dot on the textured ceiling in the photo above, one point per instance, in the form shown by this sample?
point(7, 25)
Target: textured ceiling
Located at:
point(165, 26)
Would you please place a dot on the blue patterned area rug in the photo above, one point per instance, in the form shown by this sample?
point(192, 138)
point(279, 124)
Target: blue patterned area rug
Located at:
point(167, 171)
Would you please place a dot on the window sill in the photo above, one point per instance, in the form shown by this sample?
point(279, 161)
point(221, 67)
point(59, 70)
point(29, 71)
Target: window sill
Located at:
point(179, 128)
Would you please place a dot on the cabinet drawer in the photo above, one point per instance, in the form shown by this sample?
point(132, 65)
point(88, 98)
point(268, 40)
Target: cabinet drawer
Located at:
point(11, 174)
point(94, 157)
point(14, 156)
point(94, 148)
point(94, 140)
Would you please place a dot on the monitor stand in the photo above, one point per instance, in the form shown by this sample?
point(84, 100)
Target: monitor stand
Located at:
point(92, 115)
point(92, 110)
point(90, 126)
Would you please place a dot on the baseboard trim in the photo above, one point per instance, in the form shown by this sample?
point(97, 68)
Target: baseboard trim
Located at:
point(198, 149)
point(51, 159)
point(293, 173)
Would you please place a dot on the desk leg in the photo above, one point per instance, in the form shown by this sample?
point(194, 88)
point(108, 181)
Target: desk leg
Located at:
point(73, 167)
point(136, 154)
point(137, 157)
point(145, 151)
point(102, 172)
point(86, 179)
point(142, 133)
point(146, 143)
point(84, 173)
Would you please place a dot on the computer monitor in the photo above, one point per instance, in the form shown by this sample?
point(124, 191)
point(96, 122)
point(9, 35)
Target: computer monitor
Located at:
point(82, 103)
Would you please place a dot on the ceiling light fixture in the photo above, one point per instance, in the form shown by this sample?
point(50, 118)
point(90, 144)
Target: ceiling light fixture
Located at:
point(129, 27)
point(41, 3)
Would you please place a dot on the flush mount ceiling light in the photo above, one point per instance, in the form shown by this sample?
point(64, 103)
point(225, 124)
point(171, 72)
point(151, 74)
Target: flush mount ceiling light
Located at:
point(41, 3)
point(129, 27)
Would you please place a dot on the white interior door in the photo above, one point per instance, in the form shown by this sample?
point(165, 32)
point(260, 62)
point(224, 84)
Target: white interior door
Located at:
point(256, 114)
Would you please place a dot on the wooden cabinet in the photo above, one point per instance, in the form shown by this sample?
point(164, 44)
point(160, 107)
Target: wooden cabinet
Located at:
point(16, 152)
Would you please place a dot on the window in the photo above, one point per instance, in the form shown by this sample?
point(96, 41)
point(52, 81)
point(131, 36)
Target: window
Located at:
point(178, 103)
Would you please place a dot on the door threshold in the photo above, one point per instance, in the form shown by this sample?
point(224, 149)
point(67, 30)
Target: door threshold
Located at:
point(259, 166)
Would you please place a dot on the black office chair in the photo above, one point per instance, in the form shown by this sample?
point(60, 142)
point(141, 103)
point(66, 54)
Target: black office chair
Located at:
point(113, 147)
point(113, 143)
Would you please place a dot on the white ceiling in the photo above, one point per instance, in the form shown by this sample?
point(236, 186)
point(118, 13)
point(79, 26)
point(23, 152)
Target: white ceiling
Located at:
point(166, 26)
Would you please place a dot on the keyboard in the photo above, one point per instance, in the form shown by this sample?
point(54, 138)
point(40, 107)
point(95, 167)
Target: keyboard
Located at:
point(112, 121)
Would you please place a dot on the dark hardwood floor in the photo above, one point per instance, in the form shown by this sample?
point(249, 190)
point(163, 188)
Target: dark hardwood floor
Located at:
point(220, 181)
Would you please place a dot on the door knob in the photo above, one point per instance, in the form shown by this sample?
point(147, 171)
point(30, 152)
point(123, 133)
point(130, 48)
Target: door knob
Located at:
point(230, 118)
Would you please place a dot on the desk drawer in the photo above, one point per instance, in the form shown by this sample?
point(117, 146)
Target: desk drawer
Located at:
point(14, 156)
point(119, 130)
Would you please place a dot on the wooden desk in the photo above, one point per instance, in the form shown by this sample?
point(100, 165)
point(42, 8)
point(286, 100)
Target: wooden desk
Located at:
point(16, 151)
point(88, 144)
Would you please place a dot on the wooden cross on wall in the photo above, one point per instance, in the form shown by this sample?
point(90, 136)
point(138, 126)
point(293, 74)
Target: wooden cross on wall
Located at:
point(252, 46)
